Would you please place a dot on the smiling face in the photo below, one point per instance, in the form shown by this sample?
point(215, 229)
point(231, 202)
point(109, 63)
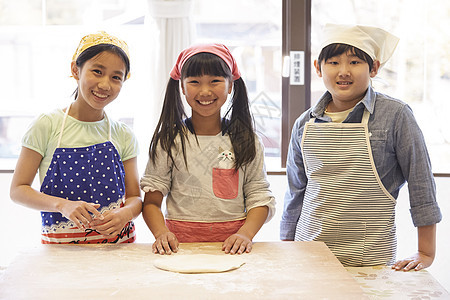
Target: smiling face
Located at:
point(206, 94)
point(99, 80)
point(346, 77)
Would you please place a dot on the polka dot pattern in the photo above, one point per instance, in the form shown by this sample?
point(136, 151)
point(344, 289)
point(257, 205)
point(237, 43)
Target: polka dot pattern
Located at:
point(93, 174)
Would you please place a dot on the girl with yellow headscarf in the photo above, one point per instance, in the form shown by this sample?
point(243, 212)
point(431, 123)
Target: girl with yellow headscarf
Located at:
point(87, 162)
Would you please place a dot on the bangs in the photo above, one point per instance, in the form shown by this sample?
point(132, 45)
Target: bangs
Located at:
point(100, 48)
point(337, 49)
point(205, 64)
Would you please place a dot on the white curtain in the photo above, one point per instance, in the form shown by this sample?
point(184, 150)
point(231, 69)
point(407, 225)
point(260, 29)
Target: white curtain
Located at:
point(169, 31)
point(175, 33)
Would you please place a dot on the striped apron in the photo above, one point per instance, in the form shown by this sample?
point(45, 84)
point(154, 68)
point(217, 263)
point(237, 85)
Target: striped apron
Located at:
point(345, 204)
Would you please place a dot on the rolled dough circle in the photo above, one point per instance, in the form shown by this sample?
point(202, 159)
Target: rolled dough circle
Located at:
point(199, 263)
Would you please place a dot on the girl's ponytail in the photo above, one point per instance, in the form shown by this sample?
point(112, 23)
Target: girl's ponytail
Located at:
point(241, 127)
point(237, 122)
point(170, 123)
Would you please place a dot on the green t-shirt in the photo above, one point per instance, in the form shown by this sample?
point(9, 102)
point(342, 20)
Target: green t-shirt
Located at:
point(42, 136)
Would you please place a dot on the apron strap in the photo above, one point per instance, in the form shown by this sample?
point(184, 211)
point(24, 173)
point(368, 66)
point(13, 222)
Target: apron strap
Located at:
point(64, 123)
point(366, 116)
point(364, 120)
point(109, 126)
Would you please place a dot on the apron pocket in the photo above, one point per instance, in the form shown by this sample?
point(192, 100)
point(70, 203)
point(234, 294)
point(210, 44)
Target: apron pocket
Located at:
point(346, 239)
point(311, 228)
point(225, 183)
point(381, 244)
point(349, 244)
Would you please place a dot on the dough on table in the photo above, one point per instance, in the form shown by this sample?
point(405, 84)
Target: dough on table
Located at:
point(199, 263)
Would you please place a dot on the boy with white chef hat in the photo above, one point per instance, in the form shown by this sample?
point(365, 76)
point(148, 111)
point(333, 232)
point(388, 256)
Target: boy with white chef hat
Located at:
point(350, 154)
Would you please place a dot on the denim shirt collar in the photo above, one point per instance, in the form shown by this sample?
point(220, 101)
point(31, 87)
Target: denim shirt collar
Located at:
point(368, 102)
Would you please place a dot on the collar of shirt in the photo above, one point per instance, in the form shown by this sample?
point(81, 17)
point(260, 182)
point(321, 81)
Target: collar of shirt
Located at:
point(368, 102)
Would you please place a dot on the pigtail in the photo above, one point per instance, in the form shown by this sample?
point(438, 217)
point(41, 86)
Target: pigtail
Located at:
point(237, 122)
point(170, 123)
point(241, 126)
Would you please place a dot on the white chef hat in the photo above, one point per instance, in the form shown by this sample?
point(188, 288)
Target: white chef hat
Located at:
point(376, 42)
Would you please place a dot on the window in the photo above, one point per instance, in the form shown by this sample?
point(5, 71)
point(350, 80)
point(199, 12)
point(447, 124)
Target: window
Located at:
point(255, 41)
point(40, 46)
point(417, 73)
point(37, 45)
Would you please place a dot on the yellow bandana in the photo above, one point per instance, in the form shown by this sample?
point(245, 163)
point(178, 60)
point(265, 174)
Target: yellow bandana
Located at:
point(100, 37)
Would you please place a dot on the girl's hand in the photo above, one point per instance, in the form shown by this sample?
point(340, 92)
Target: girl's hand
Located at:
point(237, 243)
point(417, 262)
point(166, 243)
point(113, 221)
point(80, 212)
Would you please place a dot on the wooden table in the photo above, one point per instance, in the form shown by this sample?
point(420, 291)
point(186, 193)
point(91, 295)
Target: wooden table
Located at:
point(273, 270)
point(381, 282)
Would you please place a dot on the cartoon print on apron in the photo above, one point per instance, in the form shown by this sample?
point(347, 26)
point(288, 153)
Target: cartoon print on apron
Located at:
point(93, 174)
point(345, 204)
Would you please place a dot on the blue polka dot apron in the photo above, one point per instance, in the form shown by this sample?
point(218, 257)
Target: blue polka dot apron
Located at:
point(93, 174)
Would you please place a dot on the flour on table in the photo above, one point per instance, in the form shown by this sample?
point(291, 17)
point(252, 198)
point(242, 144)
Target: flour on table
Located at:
point(199, 263)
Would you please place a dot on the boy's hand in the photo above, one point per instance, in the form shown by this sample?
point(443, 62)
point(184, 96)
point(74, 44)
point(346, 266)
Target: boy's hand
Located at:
point(166, 243)
point(417, 262)
point(237, 244)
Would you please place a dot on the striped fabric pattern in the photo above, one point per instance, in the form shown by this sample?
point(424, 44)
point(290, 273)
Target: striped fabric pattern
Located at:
point(345, 205)
point(72, 235)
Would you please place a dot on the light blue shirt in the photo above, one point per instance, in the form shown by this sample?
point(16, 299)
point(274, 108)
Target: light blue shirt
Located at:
point(399, 152)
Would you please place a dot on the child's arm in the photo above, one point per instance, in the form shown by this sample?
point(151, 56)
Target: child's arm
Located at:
point(425, 255)
point(166, 242)
point(242, 240)
point(297, 181)
point(21, 192)
point(115, 220)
